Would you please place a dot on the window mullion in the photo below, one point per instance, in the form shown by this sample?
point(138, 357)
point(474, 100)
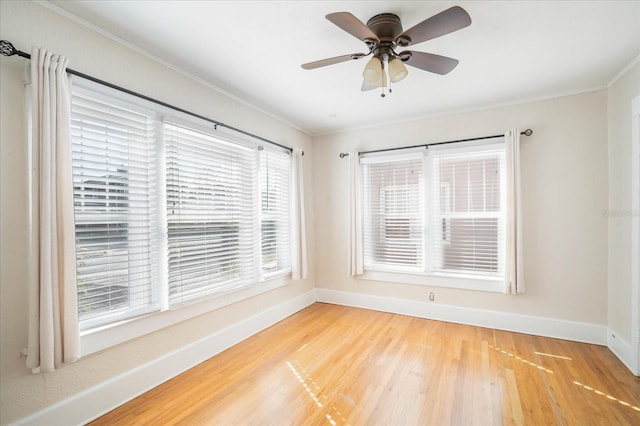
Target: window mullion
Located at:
point(427, 211)
point(257, 206)
point(159, 224)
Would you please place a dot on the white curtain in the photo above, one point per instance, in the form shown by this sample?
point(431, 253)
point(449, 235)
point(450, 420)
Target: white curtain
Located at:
point(298, 233)
point(514, 277)
point(53, 309)
point(356, 255)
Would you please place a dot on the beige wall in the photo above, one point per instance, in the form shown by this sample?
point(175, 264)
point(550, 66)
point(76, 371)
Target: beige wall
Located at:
point(564, 178)
point(26, 24)
point(620, 95)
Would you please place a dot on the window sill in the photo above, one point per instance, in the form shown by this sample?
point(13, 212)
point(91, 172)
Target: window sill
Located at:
point(100, 338)
point(460, 281)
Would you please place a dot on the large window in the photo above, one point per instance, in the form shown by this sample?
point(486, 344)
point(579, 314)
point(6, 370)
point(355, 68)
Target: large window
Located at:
point(435, 212)
point(169, 212)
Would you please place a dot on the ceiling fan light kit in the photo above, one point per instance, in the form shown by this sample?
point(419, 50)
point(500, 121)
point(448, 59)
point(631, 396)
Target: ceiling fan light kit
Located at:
point(383, 34)
point(397, 70)
point(373, 70)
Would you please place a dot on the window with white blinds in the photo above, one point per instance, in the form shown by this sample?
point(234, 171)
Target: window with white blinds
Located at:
point(168, 213)
point(112, 148)
point(275, 171)
point(467, 212)
point(211, 214)
point(439, 212)
point(393, 212)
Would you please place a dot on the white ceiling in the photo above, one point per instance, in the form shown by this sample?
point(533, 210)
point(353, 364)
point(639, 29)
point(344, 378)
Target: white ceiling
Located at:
point(513, 51)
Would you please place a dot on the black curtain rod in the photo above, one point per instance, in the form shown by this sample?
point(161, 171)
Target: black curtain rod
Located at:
point(527, 132)
point(7, 49)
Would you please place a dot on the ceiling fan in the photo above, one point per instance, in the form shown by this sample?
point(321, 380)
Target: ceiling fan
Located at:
point(383, 34)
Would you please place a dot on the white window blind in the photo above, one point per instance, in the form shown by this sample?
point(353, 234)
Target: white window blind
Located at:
point(212, 214)
point(275, 171)
point(393, 212)
point(113, 182)
point(467, 212)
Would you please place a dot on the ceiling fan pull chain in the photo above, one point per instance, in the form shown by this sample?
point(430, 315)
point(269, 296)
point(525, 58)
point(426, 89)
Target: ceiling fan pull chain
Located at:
point(383, 80)
point(382, 95)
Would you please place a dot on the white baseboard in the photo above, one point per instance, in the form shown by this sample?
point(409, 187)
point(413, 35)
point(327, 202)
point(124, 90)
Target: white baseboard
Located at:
point(539, 326)
point(622, 349)
point(104, 397)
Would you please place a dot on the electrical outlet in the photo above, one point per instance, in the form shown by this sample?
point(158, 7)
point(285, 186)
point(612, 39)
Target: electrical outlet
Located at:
point(432, 297)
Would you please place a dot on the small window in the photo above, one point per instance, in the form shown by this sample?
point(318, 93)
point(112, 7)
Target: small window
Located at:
point(112, 180)
point(393, 231)
point(275, 169)
point(469, 213)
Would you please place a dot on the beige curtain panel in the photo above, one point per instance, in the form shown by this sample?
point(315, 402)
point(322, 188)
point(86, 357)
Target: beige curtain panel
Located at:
point(514, 258)
point(53, 313)
point(298, 227)
point(356, 252)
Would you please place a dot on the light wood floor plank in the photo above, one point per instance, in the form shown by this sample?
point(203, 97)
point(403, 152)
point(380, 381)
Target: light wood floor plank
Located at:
point(335, 365)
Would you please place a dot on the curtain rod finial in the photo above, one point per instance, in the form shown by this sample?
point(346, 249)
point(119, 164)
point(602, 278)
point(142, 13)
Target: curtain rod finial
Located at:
point(528, 132)
point(7, 49)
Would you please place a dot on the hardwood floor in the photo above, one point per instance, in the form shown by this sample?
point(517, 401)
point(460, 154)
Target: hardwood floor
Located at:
point(337, 365)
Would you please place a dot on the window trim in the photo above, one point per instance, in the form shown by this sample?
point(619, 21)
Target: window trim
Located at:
point(459, 281)
point(108, 335)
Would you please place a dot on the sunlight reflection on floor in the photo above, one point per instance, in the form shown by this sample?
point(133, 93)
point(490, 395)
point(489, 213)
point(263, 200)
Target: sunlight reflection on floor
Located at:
point(554, 356)
point(613, 398)
point(533, 364)
point(306, 380)
point(304, 385)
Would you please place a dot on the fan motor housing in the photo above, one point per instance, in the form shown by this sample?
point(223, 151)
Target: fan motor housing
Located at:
point(386, 26)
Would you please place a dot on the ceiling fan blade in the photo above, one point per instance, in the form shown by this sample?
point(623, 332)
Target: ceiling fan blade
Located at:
point(445, 22)
point(429, 62)
point(352, 25)
point(331, 61)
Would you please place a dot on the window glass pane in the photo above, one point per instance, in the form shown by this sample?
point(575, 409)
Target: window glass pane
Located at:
point(275, 169)
point(112, 148)
point(393, 213)
point(212, 215)
point(468, 218)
